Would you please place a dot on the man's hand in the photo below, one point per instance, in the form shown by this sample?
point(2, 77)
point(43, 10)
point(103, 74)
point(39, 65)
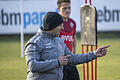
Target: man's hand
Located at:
point(101, 51)
point(63, 60)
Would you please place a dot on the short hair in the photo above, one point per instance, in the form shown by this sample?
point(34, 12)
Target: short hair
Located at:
point(60, 1)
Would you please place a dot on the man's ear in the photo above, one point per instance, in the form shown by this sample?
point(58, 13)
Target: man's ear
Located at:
point(58, 9)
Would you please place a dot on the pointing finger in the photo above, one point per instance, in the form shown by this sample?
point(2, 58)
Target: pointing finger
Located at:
point(105, 47)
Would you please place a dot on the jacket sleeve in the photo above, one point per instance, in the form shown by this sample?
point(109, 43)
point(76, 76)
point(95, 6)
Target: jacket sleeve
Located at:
point(79, 58)
point(34, 63)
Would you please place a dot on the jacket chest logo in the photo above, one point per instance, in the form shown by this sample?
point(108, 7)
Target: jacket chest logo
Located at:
point(59, 46)
point(48, 45)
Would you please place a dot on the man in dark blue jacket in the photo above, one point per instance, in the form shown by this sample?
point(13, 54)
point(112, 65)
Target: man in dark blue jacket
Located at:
point(46, 53)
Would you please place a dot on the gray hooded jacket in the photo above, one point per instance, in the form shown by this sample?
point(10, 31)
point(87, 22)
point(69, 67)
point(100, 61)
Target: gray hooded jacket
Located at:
point(42, 52)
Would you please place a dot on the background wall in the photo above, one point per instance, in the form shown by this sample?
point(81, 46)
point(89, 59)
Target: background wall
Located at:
point(33, 11)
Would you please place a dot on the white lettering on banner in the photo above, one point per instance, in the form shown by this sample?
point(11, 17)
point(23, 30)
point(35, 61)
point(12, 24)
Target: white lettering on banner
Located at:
point(66, 38)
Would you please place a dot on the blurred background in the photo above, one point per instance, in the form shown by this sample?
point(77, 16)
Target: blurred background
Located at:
point(20, 20)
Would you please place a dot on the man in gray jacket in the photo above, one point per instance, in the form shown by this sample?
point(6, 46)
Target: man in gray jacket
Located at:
point(46, 53)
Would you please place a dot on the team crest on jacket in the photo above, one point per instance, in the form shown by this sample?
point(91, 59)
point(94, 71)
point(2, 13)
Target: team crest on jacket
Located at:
point(59, 46)
point(48, 45)
point(71, 24)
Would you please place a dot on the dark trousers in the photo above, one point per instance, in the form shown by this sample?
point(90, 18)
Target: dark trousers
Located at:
point(70, 73)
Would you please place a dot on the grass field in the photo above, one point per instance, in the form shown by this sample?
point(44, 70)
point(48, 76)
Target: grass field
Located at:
point(12, 67)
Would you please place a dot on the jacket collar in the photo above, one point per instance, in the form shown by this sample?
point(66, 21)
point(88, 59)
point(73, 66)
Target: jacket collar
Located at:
point(46, 34)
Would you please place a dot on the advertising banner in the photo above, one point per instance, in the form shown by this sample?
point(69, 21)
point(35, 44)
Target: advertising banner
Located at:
point(33, 11)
